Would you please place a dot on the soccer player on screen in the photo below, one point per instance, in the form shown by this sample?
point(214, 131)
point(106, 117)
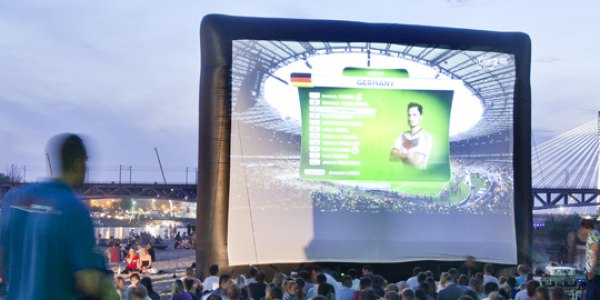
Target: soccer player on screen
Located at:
point(413, 147)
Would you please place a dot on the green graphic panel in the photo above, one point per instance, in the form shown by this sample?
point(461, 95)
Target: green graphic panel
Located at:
point(348, 133)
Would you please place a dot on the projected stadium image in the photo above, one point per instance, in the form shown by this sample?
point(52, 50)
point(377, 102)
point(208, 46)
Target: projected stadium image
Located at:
point(370, 152)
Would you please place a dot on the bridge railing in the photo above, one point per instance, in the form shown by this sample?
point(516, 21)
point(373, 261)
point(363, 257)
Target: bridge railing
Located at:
point(182, 192)
point(556, 198)
point(542, 198)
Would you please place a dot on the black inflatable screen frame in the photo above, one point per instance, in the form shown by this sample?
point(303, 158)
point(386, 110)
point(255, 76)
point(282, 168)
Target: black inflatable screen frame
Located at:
point(216, 36)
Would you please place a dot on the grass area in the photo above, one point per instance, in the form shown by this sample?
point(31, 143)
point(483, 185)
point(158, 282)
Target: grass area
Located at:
point(460, 195)
point(477, 183)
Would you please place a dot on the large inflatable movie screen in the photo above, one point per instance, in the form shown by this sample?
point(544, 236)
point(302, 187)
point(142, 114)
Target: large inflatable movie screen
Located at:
point(368, 150)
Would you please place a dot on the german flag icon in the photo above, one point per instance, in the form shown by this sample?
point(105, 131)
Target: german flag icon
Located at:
point(301, 79)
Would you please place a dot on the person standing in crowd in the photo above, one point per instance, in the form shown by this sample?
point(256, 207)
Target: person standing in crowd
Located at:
point(196, 289)
point(120, 286)
point(591, 264)
point(346, 291)
point(34, 217)
point(488, 275)
point(252, 275)
point(355, 280)
point(529, 292)
point(147, 283)
point(211, 282)
point(178, 292)
point(139, 293)
point(365, 284)
point(114, 253)
point(522, 271)
point(257, 289)
point(469, 267)
point(134, 280)
point(451, 291)
point(413, 282)
point(576, 243)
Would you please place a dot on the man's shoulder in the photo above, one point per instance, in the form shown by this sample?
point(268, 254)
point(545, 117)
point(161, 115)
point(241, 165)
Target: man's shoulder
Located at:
point(453, 288)
point(50, 196)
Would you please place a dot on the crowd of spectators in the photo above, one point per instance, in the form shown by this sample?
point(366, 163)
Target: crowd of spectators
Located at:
point(465, 283)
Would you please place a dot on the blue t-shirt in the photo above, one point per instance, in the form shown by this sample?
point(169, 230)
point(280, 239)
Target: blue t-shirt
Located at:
point(47, 235)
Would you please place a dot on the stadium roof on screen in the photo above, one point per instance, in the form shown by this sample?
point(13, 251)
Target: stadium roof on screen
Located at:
point(489, 76)
point(569, 160)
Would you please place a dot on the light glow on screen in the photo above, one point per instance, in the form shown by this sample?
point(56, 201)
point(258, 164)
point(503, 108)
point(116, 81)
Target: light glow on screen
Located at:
point(466, 107)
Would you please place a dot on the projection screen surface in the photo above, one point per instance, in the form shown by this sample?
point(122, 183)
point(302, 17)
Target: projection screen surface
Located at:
point(370, 152)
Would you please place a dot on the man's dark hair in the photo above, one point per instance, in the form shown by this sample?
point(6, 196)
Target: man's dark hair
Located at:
point(72, 150)
point(347, 281)
point(253, 271)
point(463, 280)
point(260, 276)
point(316, 268)
point(276, 293)
point(139, 291)
point(321, 278)
point(490, 287)
point(544, 291)
point(224, 278)
point(304, 274)
point(417, 105)
point(532, 285)
point(587, 223)
point(453, 272)
point(213, 270)
point(365, 282)
point(134, 275)
point(420, 294)
point(325, 289)
point(391, 295)
point(417, 270)
point(512, 282)
point(488, 268)
point(368, 268)
point(421, 277)
point(301, 283)
point(408, 293)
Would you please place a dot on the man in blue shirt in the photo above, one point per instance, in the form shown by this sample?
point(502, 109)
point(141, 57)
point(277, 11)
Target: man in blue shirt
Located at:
point(47, 244)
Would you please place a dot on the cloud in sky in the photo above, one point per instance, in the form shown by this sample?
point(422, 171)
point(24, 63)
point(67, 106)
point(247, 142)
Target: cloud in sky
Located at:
point(126, 73)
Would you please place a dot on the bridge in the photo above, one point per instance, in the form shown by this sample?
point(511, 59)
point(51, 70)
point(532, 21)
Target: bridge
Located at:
point(550, 198)
point(543, 198)
point(181, 192)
